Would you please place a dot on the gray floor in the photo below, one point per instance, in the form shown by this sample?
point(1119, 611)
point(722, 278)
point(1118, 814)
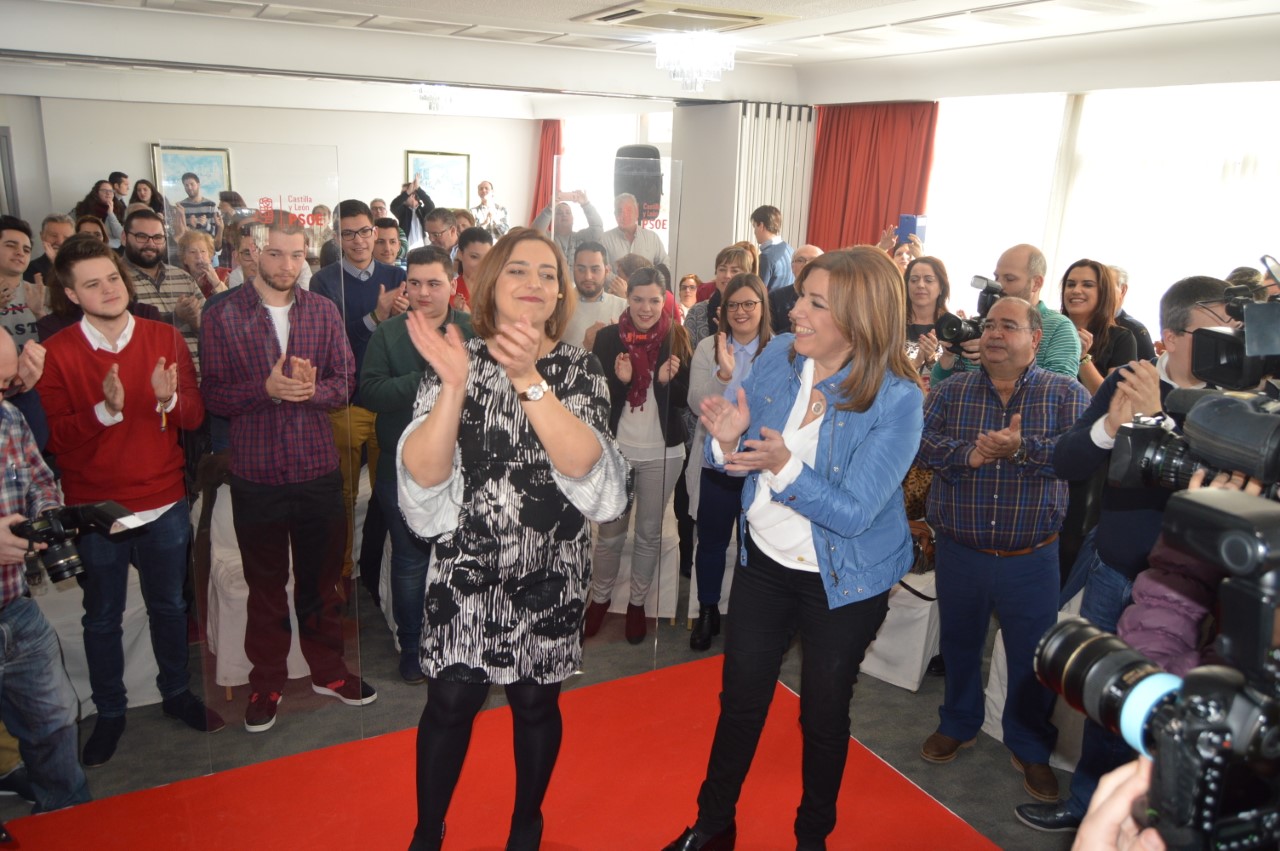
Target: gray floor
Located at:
point(980, 786)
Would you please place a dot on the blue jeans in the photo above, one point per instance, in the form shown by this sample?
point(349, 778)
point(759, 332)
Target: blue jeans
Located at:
point(719, 503)
point(410, 556)
point(1107, 593)
point(770, 604)
point(159, 551)
point(1023, 590)
point(38, 705)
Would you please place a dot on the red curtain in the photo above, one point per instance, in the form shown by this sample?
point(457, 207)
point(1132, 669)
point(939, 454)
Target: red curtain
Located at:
point(871, 164)
point(548, 149)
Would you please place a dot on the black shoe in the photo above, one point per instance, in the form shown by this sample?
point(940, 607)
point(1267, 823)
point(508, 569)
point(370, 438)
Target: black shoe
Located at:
point(191, 711)
point(17, 783)
point(102, 742)
point(707, 625)
point(1050, 818)
point(936, 667)
point(694, 840)
point(411, 669)
point(434, 843)
point(526, 838)
point(260, 714)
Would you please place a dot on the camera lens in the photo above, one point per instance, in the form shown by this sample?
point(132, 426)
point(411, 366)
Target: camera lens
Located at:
point(1092, 669)
point(62, 561)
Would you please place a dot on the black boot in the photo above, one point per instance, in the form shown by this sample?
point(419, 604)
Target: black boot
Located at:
point(707, 625)
point(527, 837)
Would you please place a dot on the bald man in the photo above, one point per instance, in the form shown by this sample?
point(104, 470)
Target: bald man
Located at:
point(782, 300)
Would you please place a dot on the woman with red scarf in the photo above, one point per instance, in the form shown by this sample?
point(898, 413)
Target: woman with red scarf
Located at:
point(100, 202)
point(646, 361)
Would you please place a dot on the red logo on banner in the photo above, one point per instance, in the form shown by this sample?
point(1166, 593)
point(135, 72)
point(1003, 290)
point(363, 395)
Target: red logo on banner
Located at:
point(265, 210)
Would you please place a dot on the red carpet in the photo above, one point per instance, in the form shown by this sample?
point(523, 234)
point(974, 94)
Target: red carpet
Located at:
point(608, 793)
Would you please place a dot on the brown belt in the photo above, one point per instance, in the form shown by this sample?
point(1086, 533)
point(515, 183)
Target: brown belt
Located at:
point(1024, 551)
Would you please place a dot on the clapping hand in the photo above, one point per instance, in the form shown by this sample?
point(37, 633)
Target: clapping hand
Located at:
point(444, 352)
point(387, 302)
point(30, 366)
point(622, 367)
point(164, 381)
point(724, 357)
point(768, 453)
point(888, 238)
point(113, 390)
point(994, 445)
point(298, 387)
point(724, 420)
point(1086, 341)
point(668, 370)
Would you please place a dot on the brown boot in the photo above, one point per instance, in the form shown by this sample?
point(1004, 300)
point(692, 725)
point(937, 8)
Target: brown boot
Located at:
point(595, 618)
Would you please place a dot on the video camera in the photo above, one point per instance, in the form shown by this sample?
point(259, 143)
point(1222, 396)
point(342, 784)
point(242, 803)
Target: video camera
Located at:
point(1220, 431)
point(58, 528)
point(1240, 358)
point(953, 330)
point(1215, 735)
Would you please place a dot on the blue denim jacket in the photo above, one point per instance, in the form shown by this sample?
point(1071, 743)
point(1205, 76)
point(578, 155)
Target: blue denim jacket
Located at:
point(853, 497)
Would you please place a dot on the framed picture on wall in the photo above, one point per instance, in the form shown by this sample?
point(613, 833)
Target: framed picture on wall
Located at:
point(211, 165)
point(445, 177)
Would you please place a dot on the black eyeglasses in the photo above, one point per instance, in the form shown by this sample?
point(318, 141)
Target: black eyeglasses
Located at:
point(153, 238)
point(363, 233)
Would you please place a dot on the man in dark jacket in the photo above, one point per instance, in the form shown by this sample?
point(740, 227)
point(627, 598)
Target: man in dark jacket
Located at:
point(411, 207)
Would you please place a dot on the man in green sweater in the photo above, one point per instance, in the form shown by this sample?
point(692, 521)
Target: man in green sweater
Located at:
point(1020, 271)
point(389, 382)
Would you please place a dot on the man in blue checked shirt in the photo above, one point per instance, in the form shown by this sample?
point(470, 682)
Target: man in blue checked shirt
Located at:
point(996, 506)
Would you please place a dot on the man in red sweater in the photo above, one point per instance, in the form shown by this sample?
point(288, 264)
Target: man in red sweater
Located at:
point(117, 390)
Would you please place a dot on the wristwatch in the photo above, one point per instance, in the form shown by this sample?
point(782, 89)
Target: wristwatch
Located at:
point(1020, 457)
point(534, 392)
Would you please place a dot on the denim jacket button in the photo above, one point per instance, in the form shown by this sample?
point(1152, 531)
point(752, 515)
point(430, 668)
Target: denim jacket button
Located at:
point(791, 499)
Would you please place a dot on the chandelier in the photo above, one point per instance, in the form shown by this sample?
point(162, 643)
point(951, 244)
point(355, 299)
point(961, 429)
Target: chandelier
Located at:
point(694, 58)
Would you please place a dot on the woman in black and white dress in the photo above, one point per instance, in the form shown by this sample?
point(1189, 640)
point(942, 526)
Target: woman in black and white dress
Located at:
point(506, 462)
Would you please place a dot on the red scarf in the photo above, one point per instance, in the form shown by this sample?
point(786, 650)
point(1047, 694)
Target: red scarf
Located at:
point(643, 348)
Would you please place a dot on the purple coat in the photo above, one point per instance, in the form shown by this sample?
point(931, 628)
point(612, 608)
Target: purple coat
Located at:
point(1171, 600)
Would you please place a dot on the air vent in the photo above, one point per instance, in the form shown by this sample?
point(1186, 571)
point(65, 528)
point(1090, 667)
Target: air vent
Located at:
point(654, 16)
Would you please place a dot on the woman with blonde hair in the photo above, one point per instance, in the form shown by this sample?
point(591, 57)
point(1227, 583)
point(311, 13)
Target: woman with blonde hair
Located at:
point(195, 249)
point(824, 428)
point(506, 463)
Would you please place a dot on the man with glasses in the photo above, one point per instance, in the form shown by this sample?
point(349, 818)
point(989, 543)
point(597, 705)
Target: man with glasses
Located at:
point(1115, 552)
point(1020, 272)
point(169, 289)
point(996, 505)
point(782, 300)
point(596, 308)
point(367, 293)
point(442, 230)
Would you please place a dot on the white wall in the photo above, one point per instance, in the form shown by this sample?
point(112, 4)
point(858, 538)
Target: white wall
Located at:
point(22, 116)
point(86, 139)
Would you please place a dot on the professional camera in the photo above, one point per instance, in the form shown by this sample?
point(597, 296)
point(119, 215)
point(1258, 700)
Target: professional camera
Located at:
point(58, 528)
point(1220, 431)
point(1215, 735)
point(1240, 358)
point(954, 330)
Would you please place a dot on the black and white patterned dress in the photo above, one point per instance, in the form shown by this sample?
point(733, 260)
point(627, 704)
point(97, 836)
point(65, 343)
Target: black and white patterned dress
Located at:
point(512, 560)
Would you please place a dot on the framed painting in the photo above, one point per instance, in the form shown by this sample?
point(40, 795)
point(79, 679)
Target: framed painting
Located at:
point(445, 177)
point(211, 165)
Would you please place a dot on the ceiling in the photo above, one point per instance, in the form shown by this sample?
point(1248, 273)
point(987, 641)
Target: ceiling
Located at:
point(794, 33)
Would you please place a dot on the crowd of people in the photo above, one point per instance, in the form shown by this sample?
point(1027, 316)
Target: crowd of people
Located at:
point(518, 396)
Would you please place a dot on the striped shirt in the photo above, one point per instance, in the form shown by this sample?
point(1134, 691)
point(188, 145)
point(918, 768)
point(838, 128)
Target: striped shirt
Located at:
point(276, 443)
point(162, 292)
point(28, 489)
point(1000, 505)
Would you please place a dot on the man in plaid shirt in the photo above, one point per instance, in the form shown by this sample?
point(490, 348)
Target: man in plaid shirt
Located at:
point(39, 704)
point(276, 362)
point(997, 505)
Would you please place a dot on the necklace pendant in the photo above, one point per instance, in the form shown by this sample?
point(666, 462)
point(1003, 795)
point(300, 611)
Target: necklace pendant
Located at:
point(818, 407)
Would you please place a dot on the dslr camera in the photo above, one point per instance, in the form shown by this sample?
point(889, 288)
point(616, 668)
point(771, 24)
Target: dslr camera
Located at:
point(1215, 735)
point(58, 529)
point(953, 330)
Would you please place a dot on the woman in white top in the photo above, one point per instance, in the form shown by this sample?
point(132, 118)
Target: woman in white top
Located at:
point(720, 365)
point(824, 428)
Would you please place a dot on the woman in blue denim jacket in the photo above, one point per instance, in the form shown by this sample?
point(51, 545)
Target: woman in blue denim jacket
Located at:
point(825, 429)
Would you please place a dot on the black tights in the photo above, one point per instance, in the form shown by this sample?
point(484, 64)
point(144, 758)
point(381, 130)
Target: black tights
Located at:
point(444, 734)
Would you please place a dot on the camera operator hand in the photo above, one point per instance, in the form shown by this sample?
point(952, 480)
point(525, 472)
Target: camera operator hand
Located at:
point(12, 548)
point(1109, 822)
point(1236, 481)
point(1137, 393)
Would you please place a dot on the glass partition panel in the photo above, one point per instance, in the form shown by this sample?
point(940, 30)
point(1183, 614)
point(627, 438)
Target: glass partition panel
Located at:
point(614, 219)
